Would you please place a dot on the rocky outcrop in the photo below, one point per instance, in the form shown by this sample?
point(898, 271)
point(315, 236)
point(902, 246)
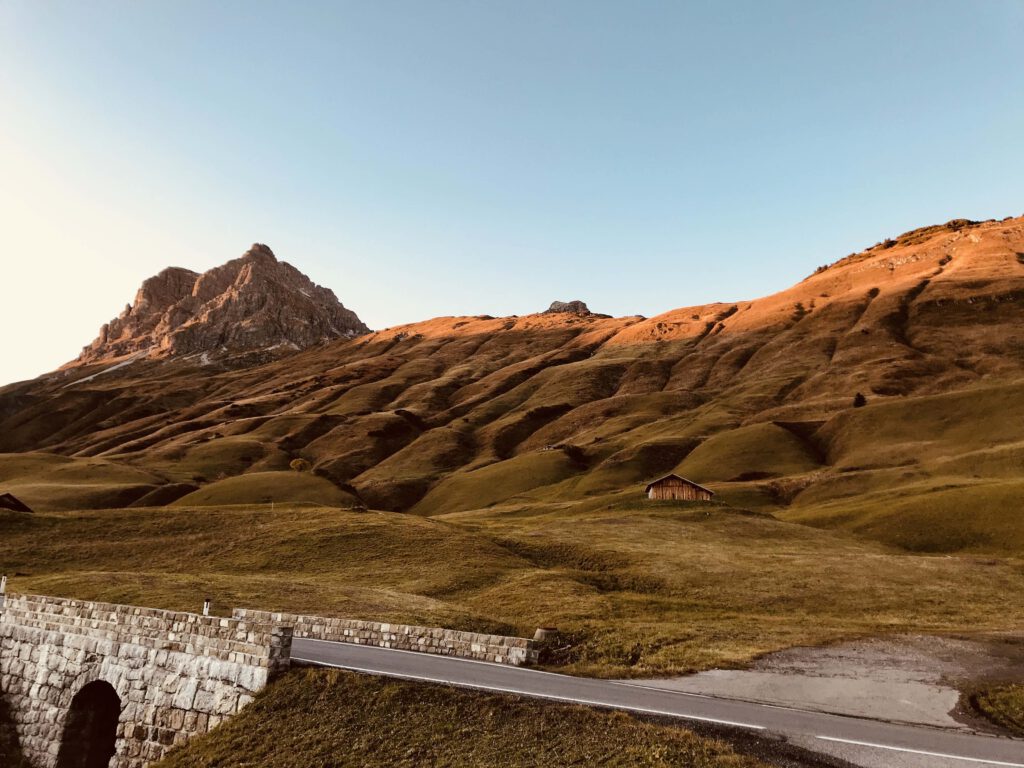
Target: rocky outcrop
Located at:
point(250, 303)
point(567, 308)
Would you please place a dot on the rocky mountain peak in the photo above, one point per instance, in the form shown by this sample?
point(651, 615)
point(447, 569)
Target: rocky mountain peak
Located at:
point(575, 307)
point(250, 303)
point(260, 251)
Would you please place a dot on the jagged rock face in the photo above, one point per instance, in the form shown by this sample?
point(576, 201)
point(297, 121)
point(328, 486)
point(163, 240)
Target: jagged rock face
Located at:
point(567, 308)
point(250, 303)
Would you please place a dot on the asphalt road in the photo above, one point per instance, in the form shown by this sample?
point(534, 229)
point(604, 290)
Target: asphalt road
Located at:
point(864, 742)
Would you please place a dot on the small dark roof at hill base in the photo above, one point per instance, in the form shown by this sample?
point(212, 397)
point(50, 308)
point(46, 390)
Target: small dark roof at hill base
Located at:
point(13, 503)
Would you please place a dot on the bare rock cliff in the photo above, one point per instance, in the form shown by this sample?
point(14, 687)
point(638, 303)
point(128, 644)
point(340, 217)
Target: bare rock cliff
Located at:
point(575, 307)
point(250, 303)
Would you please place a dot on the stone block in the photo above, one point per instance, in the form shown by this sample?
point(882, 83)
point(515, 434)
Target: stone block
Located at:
point(160, 663)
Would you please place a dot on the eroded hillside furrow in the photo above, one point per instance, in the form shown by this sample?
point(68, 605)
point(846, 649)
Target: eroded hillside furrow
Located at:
point(313, 430)
point(898, 322)
point(504, 381)
point(692, 370)
point(645, 376)
point(855, 321)
point(113, 439)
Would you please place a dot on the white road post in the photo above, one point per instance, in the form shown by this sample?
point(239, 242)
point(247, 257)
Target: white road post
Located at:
point(206, 607)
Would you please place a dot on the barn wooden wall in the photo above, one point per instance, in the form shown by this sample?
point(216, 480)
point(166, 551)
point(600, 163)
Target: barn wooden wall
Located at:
point(677, 490)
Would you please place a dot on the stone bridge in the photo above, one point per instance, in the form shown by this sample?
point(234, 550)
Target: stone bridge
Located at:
point(90, 685)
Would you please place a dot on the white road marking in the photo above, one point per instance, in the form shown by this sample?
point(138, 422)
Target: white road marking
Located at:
point(920, 752)
point(532, 694)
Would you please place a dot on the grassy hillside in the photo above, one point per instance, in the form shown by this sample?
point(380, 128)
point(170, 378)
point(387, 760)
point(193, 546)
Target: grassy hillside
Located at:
point(935, 515)
point(280, 487)
point(454, 414)
point(326, 718)
point(940, 473)
point(752, 452)
point(639, 588)
point(50, 481)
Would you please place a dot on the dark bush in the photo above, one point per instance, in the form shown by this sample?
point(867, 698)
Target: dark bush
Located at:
point(956, 225)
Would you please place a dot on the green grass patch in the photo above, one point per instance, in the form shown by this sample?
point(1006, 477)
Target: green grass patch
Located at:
point(282, 487)
point(764, 450)
point(497, 482)
point(931, 515)
point(1003, 705)
point(45, 481)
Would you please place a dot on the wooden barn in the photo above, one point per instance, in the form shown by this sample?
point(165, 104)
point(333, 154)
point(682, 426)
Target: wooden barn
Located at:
point(677, 488)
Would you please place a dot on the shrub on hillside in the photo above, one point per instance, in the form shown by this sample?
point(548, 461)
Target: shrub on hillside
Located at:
point(300, 465)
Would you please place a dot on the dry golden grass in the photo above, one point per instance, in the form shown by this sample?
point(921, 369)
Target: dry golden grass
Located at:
point(759, 449)
point(282, 487)
point(315, 719)
point(639, 588)
point(49, 481)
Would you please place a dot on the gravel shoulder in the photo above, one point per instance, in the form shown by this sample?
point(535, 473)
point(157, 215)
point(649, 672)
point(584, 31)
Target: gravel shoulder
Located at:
point(906, 679)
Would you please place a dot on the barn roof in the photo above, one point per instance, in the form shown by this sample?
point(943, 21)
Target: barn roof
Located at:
point(12, 502)
point(677, 477)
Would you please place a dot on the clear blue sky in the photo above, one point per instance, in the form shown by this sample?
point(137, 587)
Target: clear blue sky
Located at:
point(430, 158)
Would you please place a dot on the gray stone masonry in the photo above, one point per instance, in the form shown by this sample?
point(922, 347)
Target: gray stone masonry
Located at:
point(447, 642)
point(176, 674)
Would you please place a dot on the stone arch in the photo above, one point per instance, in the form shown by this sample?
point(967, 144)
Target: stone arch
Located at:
point(90, 727)
point(90, 672)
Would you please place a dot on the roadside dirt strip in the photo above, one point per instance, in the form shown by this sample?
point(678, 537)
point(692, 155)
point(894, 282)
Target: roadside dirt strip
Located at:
point(861, 741)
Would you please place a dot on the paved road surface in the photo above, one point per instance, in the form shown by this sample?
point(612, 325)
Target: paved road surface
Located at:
point(868, 743)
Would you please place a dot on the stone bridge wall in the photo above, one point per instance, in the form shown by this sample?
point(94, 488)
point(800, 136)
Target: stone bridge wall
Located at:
point(447, 642)
point(176, 674)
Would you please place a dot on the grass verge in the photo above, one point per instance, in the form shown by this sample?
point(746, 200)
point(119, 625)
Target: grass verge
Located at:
point(318, 718)
point(1003, 705)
